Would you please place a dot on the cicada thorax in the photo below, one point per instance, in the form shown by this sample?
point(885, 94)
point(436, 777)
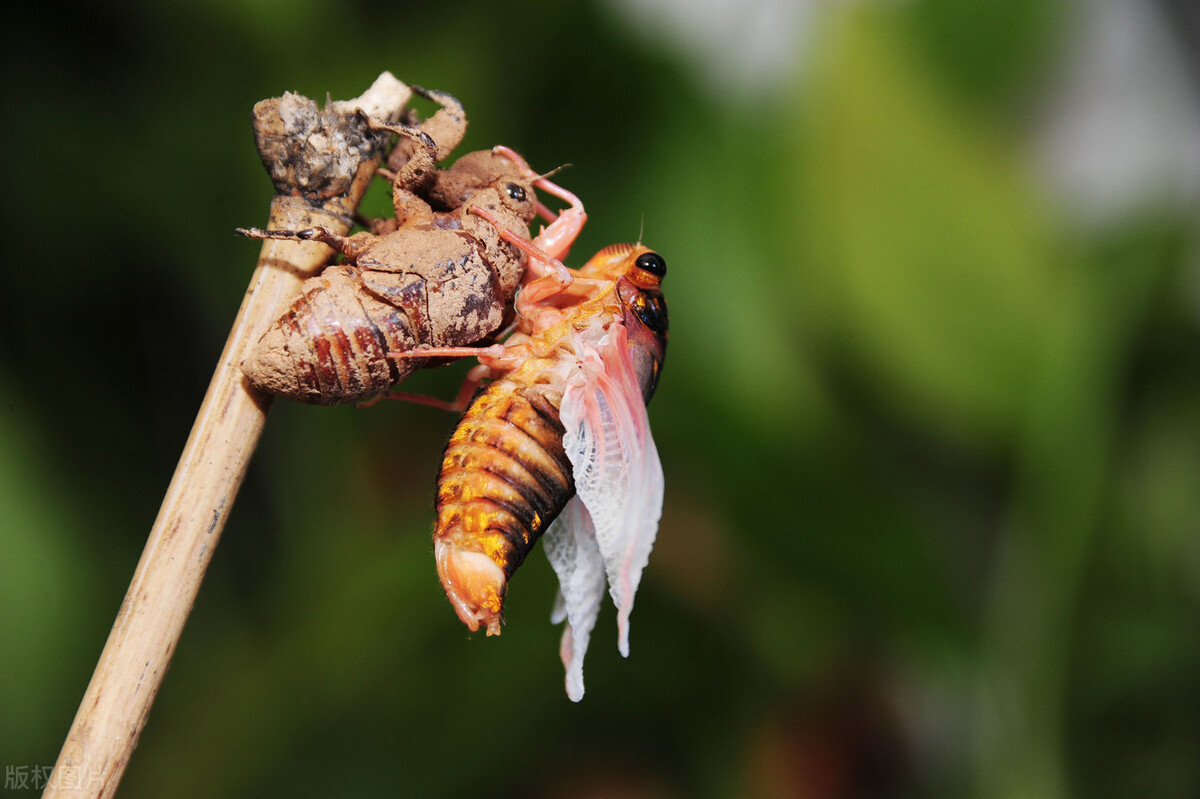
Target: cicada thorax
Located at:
point(504, 478)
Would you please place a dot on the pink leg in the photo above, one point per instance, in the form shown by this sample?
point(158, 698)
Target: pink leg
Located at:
point(516, 158)
point(564, 228)
point(543, 211)
point(498, 357)
point(419, 399)
point(460, 402)
point(562, 232)
point(544, 277)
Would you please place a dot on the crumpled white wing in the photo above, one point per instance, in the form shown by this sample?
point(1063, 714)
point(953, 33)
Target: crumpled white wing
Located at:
point(615, 465)
point(570, 546)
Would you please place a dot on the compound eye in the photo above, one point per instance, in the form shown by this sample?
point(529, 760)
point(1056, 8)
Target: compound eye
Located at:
point(652, 310)
point(653, 263)
point(515, 192)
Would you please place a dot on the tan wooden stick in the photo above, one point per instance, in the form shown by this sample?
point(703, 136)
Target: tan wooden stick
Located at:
point(226, 431)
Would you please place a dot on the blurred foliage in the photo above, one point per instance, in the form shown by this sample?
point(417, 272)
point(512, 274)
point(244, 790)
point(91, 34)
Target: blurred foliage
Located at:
point(931, 448)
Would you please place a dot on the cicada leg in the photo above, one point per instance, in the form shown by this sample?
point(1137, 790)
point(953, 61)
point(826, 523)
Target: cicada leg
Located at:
point(564, 227)
point(563, 231)
point(497, 357)
point(448, 125)
point(421, 162)
point(445, 129)
point(350, 246)
point(414, 175)
point(460, 402)
point(545, 276)
point(380, 226)
point(516, 158)
point(543, 211)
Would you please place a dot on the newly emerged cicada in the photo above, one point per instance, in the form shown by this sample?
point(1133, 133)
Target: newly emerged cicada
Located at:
point(558, 446)
point(435, 274)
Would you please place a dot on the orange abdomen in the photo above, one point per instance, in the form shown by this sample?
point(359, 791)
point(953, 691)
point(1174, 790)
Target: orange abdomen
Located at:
point(504, 478)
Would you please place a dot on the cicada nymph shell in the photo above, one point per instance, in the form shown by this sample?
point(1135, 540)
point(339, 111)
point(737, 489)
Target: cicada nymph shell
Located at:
point(435, 275)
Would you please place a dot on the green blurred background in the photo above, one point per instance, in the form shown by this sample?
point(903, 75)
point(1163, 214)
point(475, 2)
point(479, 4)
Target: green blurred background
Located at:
point(930, 419)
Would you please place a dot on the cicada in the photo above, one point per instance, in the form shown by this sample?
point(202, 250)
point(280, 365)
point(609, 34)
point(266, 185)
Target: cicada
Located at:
point(558, 446)
point(434, 275)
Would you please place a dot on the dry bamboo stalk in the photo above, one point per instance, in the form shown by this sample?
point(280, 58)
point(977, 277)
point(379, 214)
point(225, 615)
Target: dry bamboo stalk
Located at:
point(320, 178)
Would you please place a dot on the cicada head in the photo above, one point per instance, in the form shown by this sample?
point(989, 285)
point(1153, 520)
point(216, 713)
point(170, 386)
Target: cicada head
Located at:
point(638, 272)
point(472, 173)
point(509, 199)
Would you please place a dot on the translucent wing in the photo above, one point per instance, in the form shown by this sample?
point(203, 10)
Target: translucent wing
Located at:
point(570, 545)
point(618, 477)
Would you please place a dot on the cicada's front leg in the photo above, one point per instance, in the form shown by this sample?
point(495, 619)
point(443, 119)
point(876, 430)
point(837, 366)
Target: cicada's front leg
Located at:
point(448, 124)
point(416, 174)
point(445, 130)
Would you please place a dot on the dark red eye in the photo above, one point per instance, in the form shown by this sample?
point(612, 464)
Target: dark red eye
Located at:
point(653, 263)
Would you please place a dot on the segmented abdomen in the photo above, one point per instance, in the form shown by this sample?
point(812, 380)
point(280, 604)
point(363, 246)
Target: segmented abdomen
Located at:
point(331, 344)
point(504, 478)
